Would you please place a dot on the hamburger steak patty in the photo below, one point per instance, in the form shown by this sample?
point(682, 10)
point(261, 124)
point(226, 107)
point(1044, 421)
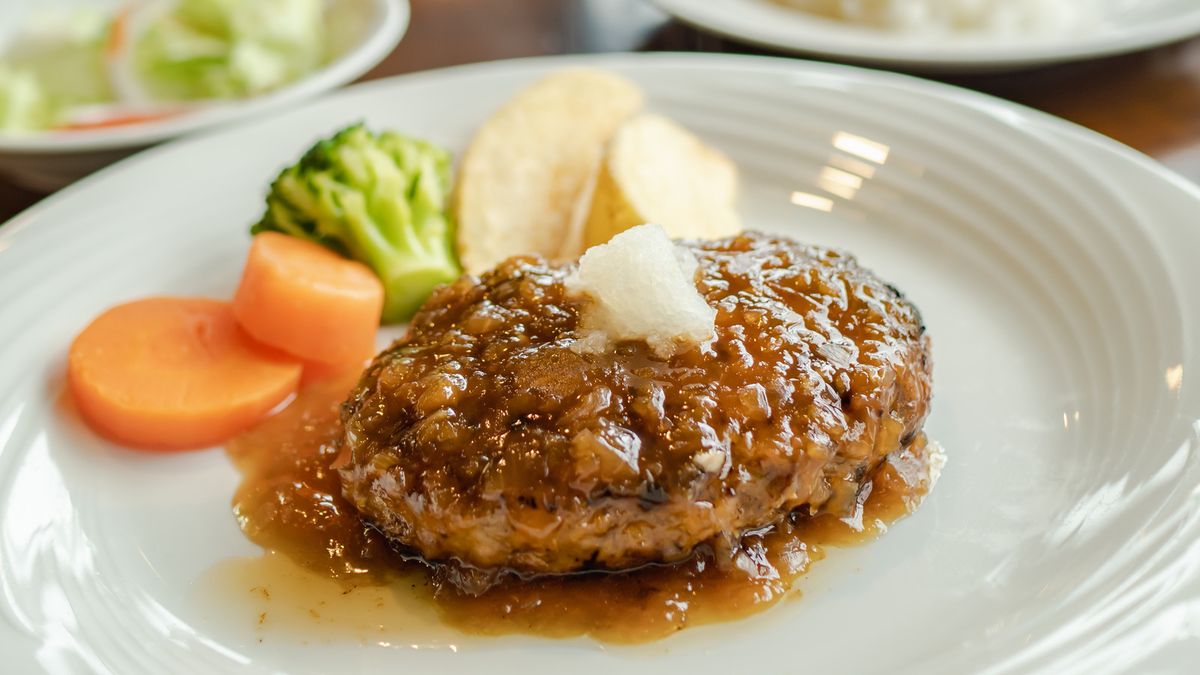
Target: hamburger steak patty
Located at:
point(481, 438)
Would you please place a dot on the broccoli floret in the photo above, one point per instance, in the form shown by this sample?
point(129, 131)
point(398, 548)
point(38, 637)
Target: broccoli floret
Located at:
point(377, 198)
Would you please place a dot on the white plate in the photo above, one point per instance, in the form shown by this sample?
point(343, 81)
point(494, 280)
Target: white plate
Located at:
point(1056, 271)
point(362, 34)
point(1125, 26)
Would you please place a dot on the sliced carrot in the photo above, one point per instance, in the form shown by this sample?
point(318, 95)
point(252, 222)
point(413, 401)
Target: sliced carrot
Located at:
point(118, 33)
point(175, 373)
point(118, 121)
point(324, 372)
point(308, 301)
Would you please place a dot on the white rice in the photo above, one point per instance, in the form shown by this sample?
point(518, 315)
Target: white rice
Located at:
point(1001, 17)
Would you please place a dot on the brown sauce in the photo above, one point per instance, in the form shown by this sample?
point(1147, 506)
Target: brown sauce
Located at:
point(488, 435)
point(326, 576)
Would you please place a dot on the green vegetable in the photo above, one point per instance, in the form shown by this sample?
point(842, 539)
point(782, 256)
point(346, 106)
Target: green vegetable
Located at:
point(377, 198)
point(54, 63)
point(23, 103)
point(230, 48)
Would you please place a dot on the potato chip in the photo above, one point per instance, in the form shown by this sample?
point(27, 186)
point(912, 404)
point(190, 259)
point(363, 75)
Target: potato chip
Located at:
point(655, 171)
point(527, 166)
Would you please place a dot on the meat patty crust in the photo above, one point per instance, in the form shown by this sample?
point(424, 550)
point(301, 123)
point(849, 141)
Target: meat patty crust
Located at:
point(481, 438)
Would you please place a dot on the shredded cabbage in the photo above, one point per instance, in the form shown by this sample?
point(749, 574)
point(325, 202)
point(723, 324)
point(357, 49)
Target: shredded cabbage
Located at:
point(56, 62)
point(229, 48)
point(64, 60)
point(23, 102)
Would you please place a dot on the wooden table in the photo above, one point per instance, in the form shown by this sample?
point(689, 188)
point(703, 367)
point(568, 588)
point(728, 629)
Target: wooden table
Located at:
point(1149, 100)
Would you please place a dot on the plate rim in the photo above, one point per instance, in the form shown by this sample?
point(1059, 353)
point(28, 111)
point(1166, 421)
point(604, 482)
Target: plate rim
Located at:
point(977, 58)
point(9, 234)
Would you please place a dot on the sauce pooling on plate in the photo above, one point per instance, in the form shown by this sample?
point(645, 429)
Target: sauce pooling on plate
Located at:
point(290, 502)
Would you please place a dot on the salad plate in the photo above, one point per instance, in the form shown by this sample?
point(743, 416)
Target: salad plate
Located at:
point(1055, 273)
point(1112, 27)
point(360, 33)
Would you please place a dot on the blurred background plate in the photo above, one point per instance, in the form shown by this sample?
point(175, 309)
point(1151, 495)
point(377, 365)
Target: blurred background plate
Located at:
point(1124, 26)
point(362, 33)
point(1054, 268)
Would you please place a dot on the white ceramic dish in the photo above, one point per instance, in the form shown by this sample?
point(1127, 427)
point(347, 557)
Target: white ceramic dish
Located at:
point(1055, 270)
point(1125, 25)
point(364, 32)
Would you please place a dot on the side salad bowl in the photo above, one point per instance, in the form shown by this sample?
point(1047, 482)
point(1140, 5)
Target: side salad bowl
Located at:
point(360, 33)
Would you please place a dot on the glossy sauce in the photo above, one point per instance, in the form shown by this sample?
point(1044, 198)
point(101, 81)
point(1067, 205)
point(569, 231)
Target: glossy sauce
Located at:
point(484, 436)
point(331, 576)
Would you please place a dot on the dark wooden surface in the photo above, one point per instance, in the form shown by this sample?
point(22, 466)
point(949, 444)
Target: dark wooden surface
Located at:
point(1149, 100)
